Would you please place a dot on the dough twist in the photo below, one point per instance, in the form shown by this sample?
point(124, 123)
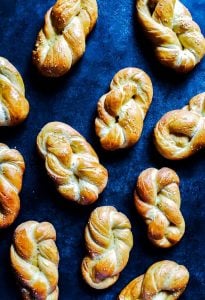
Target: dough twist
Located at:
point(165, 280)
point(34, 259)
point(61, 42)
point(72, 163)
point(109, 241)
point(121, 111)
point(14, 107)
point(178, 41)
point(12, 168)
point(157, 199)
point(181, 133)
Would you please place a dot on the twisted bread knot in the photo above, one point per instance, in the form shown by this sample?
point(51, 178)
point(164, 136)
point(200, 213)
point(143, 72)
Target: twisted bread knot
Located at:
point(34, 258)
point(109, 241)
point(157, 199)
point(11, 173)
point(14, 107)
point(181, 133)
point(163, 280)
point(178, 41)
point(72, 163)
point(61, 42)
point(121, 111)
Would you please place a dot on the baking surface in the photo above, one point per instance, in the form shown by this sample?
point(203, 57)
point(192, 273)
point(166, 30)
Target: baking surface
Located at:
point(115, 43)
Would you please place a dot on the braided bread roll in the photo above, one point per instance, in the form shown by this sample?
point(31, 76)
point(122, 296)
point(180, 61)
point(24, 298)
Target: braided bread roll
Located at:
point(34, 259)
point(164, 280)
point(61, 42)
point(180, 133)
point(11, 175)
point(157, 199)
point(72, 163)
point(121, 111)
point(14, 107)
point(177, 39)
point(109, 240)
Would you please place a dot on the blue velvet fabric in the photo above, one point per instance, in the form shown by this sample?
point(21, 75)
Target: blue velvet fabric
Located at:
point(115, 43)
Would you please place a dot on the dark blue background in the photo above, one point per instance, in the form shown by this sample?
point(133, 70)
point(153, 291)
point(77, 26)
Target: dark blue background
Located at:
point(115, 43)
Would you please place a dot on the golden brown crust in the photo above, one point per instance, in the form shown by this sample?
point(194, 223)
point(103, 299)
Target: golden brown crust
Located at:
point(72, 163)
point(14, 107)
point(34, 258)
point(61, 42)
point(122, 110)
point(163, 280)
point(177, 39)
point(157, 199)
point(11, 171)
point(109, 240)
point(181, 133)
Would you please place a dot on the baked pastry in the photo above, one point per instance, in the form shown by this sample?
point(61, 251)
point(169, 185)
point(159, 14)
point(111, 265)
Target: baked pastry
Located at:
point(72, 163)
point(180, 133)
point(163, 280)
point(34, 259)
point(122, 110)
point(157, 199)
point(14, 107)
point(61, 42)
point(109, 240)
point(177, 39)
point(11, 175)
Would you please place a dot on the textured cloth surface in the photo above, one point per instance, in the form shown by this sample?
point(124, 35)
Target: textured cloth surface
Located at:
point(115, 43)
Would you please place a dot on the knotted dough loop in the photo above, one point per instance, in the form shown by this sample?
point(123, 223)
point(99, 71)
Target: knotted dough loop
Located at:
point(121, 111)
point(34, 259)
point(181, 133)
point(14, 107)
point(72, 163)
point(157, 199)
point(163, 280)
point(61, 42)
point(177, 39)
point(12, 167)
point(109, 240)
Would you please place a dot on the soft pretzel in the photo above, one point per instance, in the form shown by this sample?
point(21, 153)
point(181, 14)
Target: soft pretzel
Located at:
point(121, 111)
point(181, 133)
point(14, 107)
point(157, 199)
point(109, 240)
point(11, 175)
point(177, 39)
point(165, 280)
point(34, 259)
point(72, 163)
point(61, 42)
